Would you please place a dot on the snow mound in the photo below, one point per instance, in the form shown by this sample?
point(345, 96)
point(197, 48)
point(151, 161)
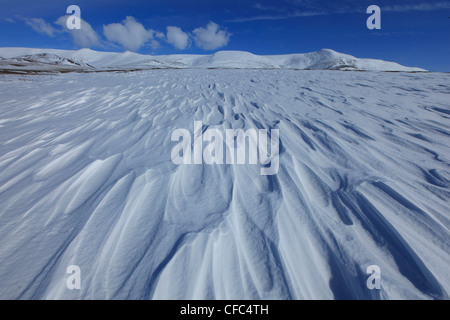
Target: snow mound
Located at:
point(235, 60)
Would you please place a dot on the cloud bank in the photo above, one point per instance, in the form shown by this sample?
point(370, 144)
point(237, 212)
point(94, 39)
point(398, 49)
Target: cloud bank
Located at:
point(211, 37)
point(85, 37)
point(39, 25)
point(177, 37)
point(132, 35)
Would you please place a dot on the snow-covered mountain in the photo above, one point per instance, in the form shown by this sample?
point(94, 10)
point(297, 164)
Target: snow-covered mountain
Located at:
point(42, 62)
point(86, 59)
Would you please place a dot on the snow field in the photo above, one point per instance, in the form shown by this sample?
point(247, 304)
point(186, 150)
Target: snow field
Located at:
point(86, 178)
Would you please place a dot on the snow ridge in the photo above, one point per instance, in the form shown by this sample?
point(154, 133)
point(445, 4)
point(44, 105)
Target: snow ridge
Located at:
point(86, 59)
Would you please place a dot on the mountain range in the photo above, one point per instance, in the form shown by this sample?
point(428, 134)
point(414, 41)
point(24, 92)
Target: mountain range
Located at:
point(28, 59)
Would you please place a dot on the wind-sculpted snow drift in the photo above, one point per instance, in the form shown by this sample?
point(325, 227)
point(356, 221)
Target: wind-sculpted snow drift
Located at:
point(86, 179)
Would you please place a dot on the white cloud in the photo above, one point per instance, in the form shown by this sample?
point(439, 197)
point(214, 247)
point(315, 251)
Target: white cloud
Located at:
point(211, 37)
point(39, 25)
point(85, 37)
point(329, 10)
point(159, 35)
point(130, 34)
point(418, 6)
point(154, 44)
point(296, 14)
point(177, 37)
point(262, 7)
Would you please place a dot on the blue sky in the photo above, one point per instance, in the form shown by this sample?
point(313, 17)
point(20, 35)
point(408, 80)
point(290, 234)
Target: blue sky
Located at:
point(413, 32)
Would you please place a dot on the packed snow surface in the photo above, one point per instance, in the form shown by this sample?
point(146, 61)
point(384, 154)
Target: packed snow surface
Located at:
point(86, 179)
point(90, 60)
